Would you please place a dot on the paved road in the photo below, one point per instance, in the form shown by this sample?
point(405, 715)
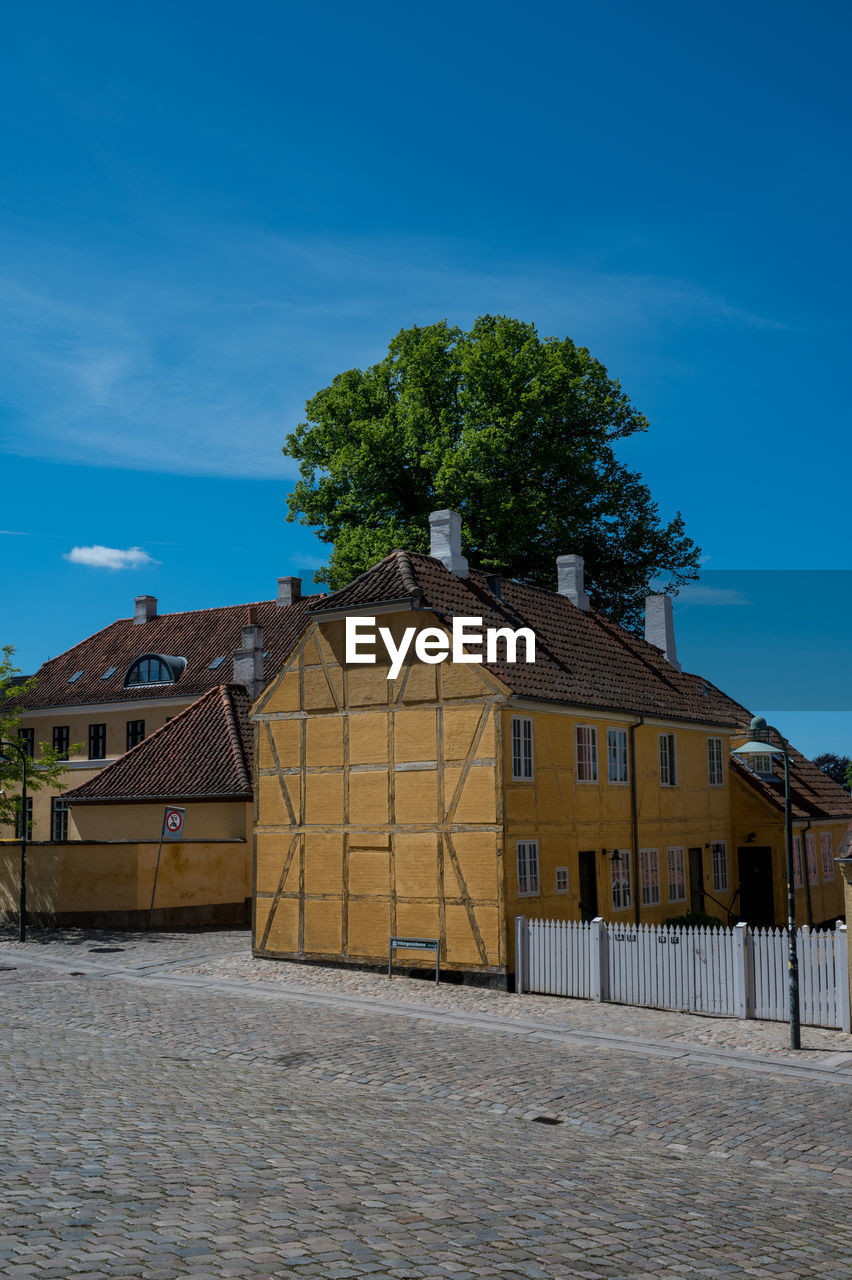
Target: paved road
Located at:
point(157, 1122)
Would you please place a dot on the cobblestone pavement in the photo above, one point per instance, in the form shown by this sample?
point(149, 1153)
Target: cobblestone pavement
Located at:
point(168, 1111)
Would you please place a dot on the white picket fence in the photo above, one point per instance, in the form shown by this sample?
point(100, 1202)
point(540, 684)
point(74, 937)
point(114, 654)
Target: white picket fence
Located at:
point(736, 973)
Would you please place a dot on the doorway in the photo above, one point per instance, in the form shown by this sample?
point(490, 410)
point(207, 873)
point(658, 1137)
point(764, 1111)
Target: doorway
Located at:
point(757, 899)
point(696, 880)
point(588, 885)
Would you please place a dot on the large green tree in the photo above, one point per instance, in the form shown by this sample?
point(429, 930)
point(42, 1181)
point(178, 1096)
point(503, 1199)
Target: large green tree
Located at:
point(515, 432)
point(46, 769)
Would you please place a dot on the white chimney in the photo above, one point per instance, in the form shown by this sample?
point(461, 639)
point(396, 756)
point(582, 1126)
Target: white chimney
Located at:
point(445, 539)
point(659, 626)
point(289, 591)
point(146, 610)
point(248, 661)
point(569, 571)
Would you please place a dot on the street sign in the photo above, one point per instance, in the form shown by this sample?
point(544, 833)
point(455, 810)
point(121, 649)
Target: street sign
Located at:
point(173, 823)
point(415, 944)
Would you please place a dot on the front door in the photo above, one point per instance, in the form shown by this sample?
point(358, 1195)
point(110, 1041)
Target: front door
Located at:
point(696, 880)
point(588, 885)
point(757, 900)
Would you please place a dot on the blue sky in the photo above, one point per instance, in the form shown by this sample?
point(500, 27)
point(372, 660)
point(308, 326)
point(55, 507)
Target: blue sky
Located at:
point(209, 210)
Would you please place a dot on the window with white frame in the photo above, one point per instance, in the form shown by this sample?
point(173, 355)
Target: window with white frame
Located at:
point(719, 850)
point(798, 873)
point(668, 760)
point(527, 852)
point(762, 765)
point(563, 880)
point(810, 845)
point(587, 753)
point(522, 748)
point(616, 755)
point(676, 861)
point(827, 856)
point(649, 870)
point(715, 763)
point(619, 864)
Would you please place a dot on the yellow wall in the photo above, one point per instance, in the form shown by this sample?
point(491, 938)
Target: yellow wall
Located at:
point(566, 816)
point(82, 879)
point(154, 713)
point(378, 808)
point(753, 814)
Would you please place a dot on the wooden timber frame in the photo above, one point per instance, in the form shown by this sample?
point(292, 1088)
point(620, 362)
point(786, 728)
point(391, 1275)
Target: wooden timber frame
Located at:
point(379, 808)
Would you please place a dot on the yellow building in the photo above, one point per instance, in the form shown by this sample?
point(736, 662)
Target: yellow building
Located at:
point(126, 696)
point(444, 801)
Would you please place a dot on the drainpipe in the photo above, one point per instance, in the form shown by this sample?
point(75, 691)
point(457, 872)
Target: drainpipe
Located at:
point(806, 876)
point(634, 818)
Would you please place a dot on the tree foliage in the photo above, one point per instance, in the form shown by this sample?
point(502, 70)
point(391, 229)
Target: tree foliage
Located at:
point(46, 769)
point(837, 767)
point(515, 432)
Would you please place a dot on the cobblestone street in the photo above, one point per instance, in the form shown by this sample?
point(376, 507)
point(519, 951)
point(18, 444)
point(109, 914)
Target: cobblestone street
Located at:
point(172, 1107)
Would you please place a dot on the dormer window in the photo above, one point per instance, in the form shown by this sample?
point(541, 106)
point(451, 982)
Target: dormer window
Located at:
point(762, 765)
point(154, 668)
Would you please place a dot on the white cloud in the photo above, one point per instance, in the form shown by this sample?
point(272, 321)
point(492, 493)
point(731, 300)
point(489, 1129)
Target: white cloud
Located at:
point(714, 597)
point(98, 557)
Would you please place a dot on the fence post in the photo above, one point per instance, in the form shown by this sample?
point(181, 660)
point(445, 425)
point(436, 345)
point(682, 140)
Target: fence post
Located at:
point(522, 938)
point(741, 971)
point(841, 975)
point(598, 959)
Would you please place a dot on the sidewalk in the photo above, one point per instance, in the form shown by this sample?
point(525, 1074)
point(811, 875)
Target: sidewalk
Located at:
point(223, 961)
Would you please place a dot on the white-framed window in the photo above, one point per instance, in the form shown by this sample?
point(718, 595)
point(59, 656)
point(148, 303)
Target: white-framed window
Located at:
point(798, 873)
point(649, 870)
point(827, 856)
point(616, 755)
point(715, 763)
point(563, 880)
point(522, 748)
point(676, 862)
point(668, 760)
point(619, 864)
point(762, 765)
point(719, 849)
point(810, 845)
point(527, 853)
point(586, 736)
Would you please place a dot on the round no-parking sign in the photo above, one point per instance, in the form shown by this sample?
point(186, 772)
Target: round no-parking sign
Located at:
point(173, 823)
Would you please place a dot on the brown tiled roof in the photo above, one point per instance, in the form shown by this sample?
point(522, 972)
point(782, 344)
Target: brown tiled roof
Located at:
point(582, 658)
point(204, 753)
point(812, 793)
point(200, 636)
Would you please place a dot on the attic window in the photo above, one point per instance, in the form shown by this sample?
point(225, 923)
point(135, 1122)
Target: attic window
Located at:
point(75, 677)
point(216, 663)
point(762, 765)
point(154, 668)
point(110, 671)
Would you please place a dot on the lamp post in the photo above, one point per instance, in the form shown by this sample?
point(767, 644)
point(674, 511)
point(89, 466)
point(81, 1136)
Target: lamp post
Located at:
point(5, 745)
point(756, 747)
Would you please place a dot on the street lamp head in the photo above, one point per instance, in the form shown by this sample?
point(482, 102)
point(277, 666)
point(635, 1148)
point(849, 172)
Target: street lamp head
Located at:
point(757, 726)
point(755, 748)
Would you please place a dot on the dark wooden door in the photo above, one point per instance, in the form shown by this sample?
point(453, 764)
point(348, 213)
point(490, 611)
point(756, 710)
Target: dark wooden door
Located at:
point(757, 900)
point(696, 880)
point(588, 885)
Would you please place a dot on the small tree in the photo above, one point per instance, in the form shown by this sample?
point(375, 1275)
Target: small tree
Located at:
point(515, 432)
point(46, 768)
point(837, 767)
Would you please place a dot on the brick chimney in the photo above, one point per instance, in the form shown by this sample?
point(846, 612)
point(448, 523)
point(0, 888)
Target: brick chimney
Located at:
point(248, 660)
point(146, 610)
point(659, 626)
point(445, 540)
point(289, 591)
point(569, 572)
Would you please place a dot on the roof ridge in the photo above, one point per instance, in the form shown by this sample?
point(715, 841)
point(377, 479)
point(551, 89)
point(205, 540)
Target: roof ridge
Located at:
point(234, 735)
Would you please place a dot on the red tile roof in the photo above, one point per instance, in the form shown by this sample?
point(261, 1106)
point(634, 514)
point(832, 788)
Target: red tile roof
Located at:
point(200, 636)
point(582, 658)
point(812, 793)
point(204, 753)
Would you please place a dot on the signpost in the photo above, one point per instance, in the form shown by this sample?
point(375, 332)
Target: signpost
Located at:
point(172, 829)
point(415, 944)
